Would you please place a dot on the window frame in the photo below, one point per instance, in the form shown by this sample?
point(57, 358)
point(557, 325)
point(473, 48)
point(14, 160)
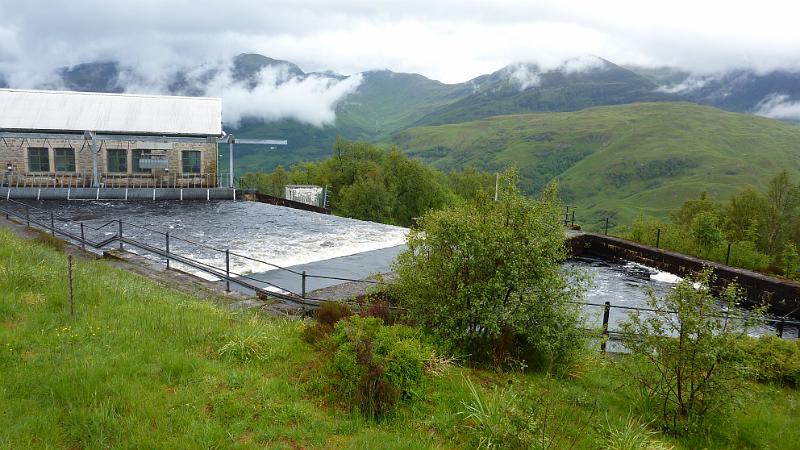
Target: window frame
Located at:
point(184, 160)
point(39, 161)
point(135, 160)
point(124, 160)
point(67, 152)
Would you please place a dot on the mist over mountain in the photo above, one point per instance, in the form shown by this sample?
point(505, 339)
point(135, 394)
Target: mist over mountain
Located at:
point(272, 98)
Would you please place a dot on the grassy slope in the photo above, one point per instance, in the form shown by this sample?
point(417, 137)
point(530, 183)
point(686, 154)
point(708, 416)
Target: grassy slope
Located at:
point(138, 367)
point(623, 161)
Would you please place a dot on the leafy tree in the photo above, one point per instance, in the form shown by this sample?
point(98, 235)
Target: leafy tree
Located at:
point(684, 351)
point(486, 277)
point(706, 232)
point(783, 199)
point(366, 199)
point(790, 259)
point(470, 182)
point(742, 215)
point(691, 208)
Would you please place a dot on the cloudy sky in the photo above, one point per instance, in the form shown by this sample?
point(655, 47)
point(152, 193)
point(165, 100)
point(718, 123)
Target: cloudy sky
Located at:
point(449, 40)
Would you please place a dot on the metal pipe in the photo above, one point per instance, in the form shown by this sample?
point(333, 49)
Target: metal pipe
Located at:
point(52, 225)
point(303, 291)
point(120, 234)
point(728, 256)
point(658, 238)
point(167, 237)
point(606, 314)
point(231, 141)
point(227, 270)
point(83, 239)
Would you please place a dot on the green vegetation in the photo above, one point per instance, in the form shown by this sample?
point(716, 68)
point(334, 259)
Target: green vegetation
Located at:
point(486, 278)
point(369, 183)
point(142, 366)
point(762, 228)
point(696, 372)
point(621, 162)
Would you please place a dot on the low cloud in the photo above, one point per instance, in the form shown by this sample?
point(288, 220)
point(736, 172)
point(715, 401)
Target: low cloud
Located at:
point(779, 106)
point(524, 75)
point(582, 64)
point(690, 84)
point(310, 100)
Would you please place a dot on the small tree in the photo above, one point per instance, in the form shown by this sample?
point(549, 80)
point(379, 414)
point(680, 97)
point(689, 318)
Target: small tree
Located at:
point(486, 277)
point(706, 232)
point(687, 346)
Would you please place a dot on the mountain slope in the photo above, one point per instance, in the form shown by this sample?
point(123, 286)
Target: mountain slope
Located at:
point(619, 161)
point(523, 88)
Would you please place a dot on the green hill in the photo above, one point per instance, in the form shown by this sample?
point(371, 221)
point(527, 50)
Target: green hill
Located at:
point(619, 161)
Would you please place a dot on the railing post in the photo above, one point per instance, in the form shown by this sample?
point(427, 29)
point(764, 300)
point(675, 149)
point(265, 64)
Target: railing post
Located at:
point(728, 256)
point(52, 225)
point(227, 270)
point(83, 239)
point(779, 329)
point(606, 313)
point(606, 226)
point(303, 289)
point(658, 238)
point(120, 233)
point(573, 217)
point(28, 216)
point(167, 235)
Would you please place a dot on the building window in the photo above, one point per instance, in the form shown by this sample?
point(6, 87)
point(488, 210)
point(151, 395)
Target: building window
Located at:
point(190, 162)
point(117, 160)
point(65, 159)
point(139, 155)
point(38, 160)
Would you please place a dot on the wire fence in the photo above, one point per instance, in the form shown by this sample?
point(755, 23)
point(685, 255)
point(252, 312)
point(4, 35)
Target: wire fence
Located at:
point(175, 249)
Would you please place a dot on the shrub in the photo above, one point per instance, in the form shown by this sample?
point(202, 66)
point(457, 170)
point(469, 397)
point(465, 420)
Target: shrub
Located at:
point(772, 359)
point(327, 315)
point(485, 277)
point(690, 365)
point(376, 365)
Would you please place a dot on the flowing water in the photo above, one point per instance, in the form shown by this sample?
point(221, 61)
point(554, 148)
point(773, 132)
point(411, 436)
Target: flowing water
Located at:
point(316, 243)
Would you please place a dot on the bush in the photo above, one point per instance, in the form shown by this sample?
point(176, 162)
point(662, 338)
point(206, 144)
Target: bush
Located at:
point(376, 365)
point(486, 278)
point(327, 315)
point(688, 361)
point(772, 359)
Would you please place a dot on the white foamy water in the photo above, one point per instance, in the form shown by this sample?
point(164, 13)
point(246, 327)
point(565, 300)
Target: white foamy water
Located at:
point(281, 236)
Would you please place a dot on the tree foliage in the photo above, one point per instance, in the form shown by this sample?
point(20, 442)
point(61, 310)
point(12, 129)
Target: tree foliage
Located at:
point(486, 278)
point(688, 348)
point(369, 183)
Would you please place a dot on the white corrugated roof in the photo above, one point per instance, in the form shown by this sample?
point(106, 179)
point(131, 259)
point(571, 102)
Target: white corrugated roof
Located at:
point(109, 113)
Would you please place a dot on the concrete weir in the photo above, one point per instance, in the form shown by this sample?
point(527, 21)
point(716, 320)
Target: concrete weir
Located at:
point(782, 296)
point(104, 193)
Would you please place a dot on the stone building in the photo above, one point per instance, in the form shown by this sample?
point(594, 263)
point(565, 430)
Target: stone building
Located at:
point(52, 139)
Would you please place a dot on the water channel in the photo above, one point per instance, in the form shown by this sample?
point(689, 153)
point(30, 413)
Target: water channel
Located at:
point(316, 243)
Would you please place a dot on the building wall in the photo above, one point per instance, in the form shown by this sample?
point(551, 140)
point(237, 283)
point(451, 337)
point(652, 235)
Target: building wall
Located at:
point(15, 151)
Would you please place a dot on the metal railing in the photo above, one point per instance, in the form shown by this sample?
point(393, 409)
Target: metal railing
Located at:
point(108, 180)
point(113, 233)
point(80, 233)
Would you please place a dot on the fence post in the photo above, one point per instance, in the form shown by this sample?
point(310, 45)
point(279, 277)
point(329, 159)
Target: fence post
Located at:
point(606, 226)
point(120, 233)
point(52, 225)
point(573, 217)
point(71, 301)
point(779, 329)
point(303, 289)
point(658, 238)
point(83, 239)
point(606, 313)
point(28, 216)
point(167, 235)
point(227, 270)
point(728, 256)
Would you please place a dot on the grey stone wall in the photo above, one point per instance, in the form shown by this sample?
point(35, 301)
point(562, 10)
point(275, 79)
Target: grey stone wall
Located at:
point(15, 151)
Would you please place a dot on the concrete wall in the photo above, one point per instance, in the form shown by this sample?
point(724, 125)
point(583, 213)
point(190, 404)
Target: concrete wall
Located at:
point(15, 151)
point(783, 296)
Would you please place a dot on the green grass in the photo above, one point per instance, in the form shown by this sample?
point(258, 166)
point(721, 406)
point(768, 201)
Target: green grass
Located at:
point(623, 161)
point(142, 366)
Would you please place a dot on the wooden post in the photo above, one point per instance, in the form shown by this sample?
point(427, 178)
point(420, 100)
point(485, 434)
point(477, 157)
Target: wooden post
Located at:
point(71, 300)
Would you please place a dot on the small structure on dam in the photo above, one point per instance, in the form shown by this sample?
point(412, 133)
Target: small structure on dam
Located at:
point(84, 145)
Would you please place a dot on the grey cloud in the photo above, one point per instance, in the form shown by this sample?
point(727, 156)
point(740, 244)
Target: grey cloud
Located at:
point(779, 106)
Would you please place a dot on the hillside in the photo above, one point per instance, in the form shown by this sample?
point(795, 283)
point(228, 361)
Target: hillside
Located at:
point(619, 161)
point(523, 88)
